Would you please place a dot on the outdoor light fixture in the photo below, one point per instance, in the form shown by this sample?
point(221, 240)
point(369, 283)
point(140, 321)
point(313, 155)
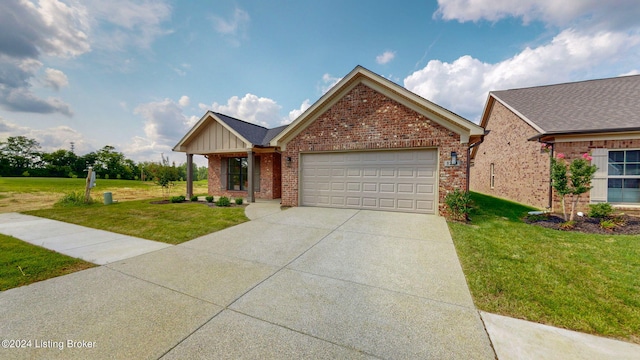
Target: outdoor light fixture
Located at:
point(454, 158)
point(288, 159)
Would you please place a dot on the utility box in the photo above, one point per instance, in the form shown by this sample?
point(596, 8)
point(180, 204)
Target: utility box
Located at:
point(108, 198)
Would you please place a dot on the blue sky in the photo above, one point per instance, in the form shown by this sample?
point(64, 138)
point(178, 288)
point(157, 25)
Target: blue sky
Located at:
point(138, 74)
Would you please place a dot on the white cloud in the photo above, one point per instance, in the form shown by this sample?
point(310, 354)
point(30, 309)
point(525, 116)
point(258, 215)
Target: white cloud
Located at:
point(184, 101)
point(251, 108)
point(50, 139)
point(164, 125)
point(130, 24)
point(234, 28)
point(328, 82)
point(293, 114)
point(632, 72)
point(385, 57)
point(588, 13)
point(55, 79)
point(462, 85)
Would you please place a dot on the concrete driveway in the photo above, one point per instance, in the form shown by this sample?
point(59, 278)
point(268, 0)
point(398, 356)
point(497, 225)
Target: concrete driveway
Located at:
point(301, 283)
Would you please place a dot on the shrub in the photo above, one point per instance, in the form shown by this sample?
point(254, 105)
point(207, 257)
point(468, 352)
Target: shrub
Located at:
point(459, 204)
point(568, 225)
point(223, 201)
point(239, 201)
point(25, 174)
point(194, 198)
point(74, 198)
point(177, 199)
point(600, 211)
point(209, 199)
point(607, 224)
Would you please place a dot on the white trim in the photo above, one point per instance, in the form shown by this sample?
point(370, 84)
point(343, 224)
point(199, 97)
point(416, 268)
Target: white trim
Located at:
point(596, 137)
point(202, 122)
point(388, 88)
point(519, 114)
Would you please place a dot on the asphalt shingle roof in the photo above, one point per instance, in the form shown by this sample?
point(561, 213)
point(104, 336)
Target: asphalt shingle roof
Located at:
point(593, 105)
point(256, 134)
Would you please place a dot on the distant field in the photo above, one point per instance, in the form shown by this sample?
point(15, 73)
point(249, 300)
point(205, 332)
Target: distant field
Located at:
point(26, 193)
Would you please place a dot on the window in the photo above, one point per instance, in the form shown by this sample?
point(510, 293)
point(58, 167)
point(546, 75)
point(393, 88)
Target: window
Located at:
point(237, 174)
point(492, 176)
point(623, 182)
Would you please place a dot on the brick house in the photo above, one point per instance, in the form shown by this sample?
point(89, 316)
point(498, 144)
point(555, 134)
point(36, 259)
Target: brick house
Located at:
point(367, 143)
point(526, 127)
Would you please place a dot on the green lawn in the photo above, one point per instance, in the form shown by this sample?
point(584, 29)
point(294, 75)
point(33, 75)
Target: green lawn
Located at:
point(22, 263)
point(169, 223)
point(583, 282)
point(65, 185)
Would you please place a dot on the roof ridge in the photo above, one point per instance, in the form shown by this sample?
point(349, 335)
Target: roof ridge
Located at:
point(244, 121)
point(567, 83)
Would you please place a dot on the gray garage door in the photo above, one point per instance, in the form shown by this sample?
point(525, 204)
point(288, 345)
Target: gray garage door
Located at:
point(402, 180)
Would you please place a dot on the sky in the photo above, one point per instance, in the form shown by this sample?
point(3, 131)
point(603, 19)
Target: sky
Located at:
point(137, 75)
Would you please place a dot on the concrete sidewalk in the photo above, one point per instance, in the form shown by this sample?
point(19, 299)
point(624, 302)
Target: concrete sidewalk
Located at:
point(301, 283)
point(95, 246)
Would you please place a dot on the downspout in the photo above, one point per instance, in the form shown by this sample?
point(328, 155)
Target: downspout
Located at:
point(553, 146)
point(551, 152)
point(469, 159)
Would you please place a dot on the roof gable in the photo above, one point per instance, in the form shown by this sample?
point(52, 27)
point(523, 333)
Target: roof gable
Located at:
point(220, 132)
point(587, 106)
point(440, 115)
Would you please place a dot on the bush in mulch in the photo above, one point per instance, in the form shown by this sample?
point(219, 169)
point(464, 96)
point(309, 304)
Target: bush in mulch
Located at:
point(620, 224)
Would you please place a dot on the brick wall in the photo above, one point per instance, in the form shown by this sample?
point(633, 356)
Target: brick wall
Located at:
point(521, 168)
point(365, 119)
point(269, 176)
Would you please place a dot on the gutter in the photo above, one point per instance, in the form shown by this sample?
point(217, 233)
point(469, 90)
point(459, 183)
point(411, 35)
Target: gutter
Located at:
point(578, 132)
point(469, 158)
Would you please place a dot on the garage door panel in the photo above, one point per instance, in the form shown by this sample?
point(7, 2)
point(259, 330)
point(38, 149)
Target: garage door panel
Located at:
point(405, 188)
point(354, 201)
point(387, 172)
point(396, 180)
point(406, 172)
point(387, 204)
point(425, 205)
point(406, 204)
point(425, 189)
point(370, 187)
point(387, 188)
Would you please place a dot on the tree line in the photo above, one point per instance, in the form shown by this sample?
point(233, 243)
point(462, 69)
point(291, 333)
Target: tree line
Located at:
point(22, 156)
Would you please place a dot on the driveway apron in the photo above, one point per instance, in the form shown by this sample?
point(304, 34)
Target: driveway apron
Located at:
point(301, 283)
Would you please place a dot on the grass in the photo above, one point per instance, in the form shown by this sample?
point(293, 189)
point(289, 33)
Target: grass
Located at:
point(27, 193)
point(584, 282)
point(169, 223)
point(22, 263)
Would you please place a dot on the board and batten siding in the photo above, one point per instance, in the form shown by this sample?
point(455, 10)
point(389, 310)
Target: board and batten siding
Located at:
point(215, 138)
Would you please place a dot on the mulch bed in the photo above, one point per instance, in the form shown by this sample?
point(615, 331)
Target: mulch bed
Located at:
point(233, 204)
point(589, 225)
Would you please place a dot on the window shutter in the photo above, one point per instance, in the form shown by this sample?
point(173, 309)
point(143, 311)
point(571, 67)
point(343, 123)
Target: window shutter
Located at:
point(599, 183)
point(223, 173)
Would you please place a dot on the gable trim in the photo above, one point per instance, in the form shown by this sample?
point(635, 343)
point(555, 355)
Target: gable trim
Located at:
point(200, 125)
point(440, 115)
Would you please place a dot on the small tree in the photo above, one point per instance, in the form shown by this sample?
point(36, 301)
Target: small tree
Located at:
point(574, 183)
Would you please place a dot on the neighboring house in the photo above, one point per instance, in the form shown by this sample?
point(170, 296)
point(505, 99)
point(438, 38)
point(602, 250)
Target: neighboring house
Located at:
point(525, 127)
point(367, 143)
